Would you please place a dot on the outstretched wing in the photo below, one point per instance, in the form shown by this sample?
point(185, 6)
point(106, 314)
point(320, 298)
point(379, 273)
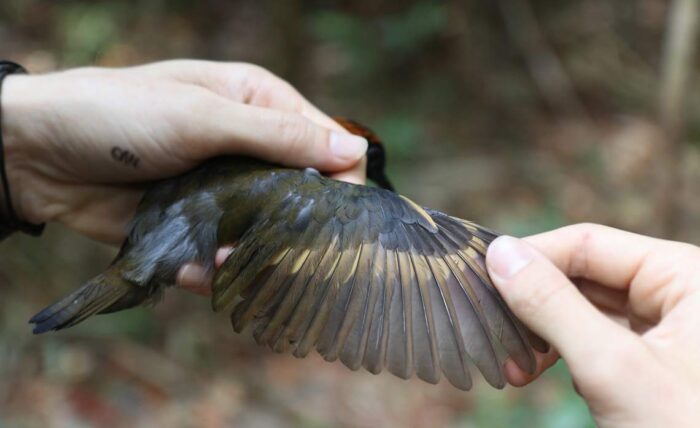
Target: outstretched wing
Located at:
point(368, 276)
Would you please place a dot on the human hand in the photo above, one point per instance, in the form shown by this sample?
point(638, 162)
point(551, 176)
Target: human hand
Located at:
point(629, 331)
point(80, 144)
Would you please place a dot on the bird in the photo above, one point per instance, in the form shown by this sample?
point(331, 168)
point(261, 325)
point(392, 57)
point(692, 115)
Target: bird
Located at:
point(359, 273)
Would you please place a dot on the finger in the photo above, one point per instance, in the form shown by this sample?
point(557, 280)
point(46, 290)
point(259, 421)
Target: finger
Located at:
point(254, 85)
point(518, 377)
point(221, 256)
point(195, 279)
point(644, 267)
point(267, 90)
point(279, 137)
point(603, 297)
point(543, 298)
point(610, 302)
point(355, 175)
point(602, 254)
point(244, 83)
point(680, 327)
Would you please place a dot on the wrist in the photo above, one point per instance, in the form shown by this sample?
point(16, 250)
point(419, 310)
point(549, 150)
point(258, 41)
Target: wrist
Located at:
point(18, 148)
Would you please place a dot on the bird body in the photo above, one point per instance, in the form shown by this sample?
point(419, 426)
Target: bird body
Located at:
point(358, 273)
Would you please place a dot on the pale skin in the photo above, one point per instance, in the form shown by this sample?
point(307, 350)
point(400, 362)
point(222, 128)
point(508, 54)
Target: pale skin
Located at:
point(80, 144)
point(629, 330)
point(60, 131)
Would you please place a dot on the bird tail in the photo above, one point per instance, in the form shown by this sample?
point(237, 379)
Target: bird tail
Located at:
point(106, 292)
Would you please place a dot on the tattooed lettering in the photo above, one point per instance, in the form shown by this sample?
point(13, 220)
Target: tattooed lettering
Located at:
point(125, 156)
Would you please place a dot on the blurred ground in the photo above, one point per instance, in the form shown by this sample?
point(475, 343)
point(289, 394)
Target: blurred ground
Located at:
point(523, 116)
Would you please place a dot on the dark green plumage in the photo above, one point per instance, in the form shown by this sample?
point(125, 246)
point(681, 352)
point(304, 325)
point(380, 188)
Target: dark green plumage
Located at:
point(358, 273)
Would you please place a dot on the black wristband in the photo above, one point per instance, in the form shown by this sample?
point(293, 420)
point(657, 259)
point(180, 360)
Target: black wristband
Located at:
point(9, 222)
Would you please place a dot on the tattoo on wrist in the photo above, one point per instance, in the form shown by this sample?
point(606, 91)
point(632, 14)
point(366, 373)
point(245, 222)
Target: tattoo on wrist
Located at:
point(125, 156)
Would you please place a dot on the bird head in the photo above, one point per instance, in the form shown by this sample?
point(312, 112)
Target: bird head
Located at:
point(376, 156)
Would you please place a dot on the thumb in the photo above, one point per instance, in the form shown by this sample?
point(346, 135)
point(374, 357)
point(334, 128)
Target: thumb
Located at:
point(282, 137)
point(543, 298)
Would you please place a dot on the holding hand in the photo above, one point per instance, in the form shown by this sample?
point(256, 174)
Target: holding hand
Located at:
point(630, 332)
point(79, 143)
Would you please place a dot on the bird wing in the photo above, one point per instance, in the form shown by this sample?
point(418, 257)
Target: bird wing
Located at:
point(367, 276)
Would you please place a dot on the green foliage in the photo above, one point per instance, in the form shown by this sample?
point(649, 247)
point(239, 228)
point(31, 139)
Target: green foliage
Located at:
point(402, 134)
point(136, 324)
point(353, 37)
point(408, 33)
point(541, 407)
point(546, 217)
point(89, 29)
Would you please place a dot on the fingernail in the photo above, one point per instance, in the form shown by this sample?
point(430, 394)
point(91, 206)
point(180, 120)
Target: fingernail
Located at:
point(348, 146)
point(191, 275)
point(507, 256)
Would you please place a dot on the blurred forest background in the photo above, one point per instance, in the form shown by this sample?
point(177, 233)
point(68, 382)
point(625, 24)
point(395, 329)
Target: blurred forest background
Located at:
point(522, 115)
